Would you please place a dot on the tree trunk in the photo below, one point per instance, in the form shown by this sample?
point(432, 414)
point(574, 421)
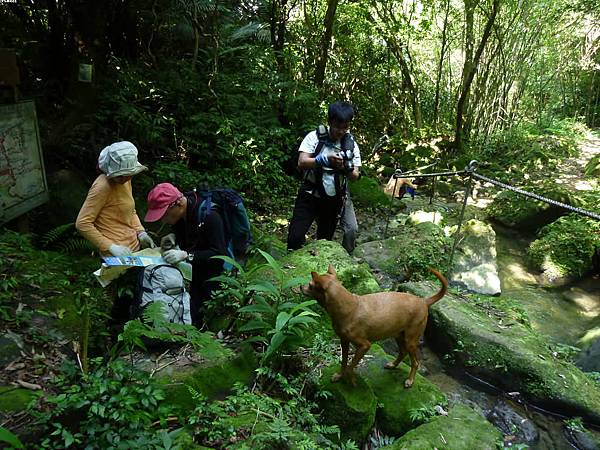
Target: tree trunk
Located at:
point(438, 78)
point(470, 68)
point(326, 42)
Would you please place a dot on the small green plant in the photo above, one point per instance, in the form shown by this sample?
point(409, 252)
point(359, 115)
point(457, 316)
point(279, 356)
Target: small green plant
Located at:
point(271, 318)
point(575, 424)
point(66, 239)
point(564, 351)
point(153, 327)
point(252, 420)
point(422, 414)
point(111, 406)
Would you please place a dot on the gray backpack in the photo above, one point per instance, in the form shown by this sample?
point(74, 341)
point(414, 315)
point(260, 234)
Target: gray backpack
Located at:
point(164, 283)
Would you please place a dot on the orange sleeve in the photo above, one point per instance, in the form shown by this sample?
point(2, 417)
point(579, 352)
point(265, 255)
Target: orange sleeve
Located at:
point(93, 204)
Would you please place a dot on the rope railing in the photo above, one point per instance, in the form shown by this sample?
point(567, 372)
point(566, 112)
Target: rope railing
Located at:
point(470, 170)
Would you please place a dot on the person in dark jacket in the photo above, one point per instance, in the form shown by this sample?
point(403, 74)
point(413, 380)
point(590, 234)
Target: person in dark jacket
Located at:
point(197, 242)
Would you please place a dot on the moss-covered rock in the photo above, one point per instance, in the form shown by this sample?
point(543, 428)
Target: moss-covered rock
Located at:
point(400, 409)
point(15, 399)
point(352, 408)
point(509, 354)
point(317, 255)
point(565, 249)
point(513, 210)
point(412, 248)
point(367, 193)
point(213, 373)
point(461, 429)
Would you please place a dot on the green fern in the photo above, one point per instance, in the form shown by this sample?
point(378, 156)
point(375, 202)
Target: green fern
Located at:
point(57, 233)
point(66, 239)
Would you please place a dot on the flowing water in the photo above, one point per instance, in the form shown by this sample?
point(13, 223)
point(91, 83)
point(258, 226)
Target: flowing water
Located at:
point(550, 313)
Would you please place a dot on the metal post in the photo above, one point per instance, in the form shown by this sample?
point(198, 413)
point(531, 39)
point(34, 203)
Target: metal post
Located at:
point(387, 220)
point(469, 169)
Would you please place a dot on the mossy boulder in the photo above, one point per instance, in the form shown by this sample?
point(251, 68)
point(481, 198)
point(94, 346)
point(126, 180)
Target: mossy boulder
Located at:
point(351, 408)
point(491, 345)
point(474, 265)
point(400, 409)
point(213, 371)
point(412, 248)
point(461, 429)
point(565, 249)
point(367, 192)
point(14, 399)
point(317, 255)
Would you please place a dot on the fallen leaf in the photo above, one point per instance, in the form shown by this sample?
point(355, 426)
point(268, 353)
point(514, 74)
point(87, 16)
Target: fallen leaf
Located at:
point(26, 385)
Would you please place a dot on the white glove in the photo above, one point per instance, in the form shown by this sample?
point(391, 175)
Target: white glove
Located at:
point(145, 240)
point(175, 256)
point(119, 250)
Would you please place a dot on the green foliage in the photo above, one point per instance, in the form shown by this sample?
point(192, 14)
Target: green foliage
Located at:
point(575, 424)
point(272, 319)
point(566, 247)
point(529, 150)
point(28, 274)
point(564, 352)
point(10, 439)
point(256, 421)
point(154, 327)
point(592, 168)
point(421, 415)
point(112, 406)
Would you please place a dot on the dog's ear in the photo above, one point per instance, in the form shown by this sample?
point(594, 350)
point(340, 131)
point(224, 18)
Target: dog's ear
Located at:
point(314, 275)
point(331, 270)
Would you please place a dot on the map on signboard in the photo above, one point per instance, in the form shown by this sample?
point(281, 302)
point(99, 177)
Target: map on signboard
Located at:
point(22, 178)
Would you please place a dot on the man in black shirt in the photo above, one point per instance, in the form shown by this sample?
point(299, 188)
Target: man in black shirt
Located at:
point(197, 242)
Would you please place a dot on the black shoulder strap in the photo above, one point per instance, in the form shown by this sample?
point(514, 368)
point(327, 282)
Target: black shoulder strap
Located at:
point(323, 135)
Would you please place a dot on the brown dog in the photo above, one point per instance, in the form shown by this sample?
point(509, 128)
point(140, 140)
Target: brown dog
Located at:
point(363, 319)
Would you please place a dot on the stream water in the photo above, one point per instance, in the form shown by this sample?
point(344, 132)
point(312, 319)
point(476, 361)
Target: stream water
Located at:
point(550, 313)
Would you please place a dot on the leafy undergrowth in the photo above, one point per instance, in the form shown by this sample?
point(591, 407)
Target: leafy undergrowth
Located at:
point(51, 309)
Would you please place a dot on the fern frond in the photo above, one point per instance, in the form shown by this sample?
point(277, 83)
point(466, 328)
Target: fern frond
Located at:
point(56, 233)
point(251, 30)
point(74, 245)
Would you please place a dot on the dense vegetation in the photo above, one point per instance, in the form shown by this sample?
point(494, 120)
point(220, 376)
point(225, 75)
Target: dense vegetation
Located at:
point(222, 93)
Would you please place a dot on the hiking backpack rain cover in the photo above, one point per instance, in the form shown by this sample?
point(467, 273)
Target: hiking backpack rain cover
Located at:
point(164, 283)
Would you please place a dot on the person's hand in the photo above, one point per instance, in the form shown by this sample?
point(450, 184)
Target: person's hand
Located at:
point(145, 240)
point(321, 160)
point(174, 256)
point(168, 242)
point(336, 161)
point(119, 250)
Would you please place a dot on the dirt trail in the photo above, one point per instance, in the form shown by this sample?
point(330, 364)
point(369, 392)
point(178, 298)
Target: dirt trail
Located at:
point(570, 171)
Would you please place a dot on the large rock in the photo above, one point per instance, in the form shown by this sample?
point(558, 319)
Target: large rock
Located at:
point(317, 255)
point(400, 409)
point(413, 247)
point(212, 371)
point(488, 344)
point(589, 359)
point(350, 407)
point(474, 265)
point(461, 429)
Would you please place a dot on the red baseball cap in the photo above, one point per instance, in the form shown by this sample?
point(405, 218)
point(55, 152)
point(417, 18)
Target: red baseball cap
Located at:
point(159, 199)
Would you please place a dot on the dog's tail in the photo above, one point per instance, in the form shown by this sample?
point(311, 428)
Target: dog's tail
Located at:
point(431, 300)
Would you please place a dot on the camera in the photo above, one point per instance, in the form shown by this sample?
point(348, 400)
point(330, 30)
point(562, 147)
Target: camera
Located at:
point(347, 152)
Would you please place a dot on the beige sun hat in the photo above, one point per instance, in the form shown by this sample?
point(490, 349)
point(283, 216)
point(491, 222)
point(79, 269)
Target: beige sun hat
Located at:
point(120, 159)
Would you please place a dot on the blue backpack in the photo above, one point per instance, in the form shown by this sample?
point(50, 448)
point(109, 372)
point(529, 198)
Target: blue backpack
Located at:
point(235, 218)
